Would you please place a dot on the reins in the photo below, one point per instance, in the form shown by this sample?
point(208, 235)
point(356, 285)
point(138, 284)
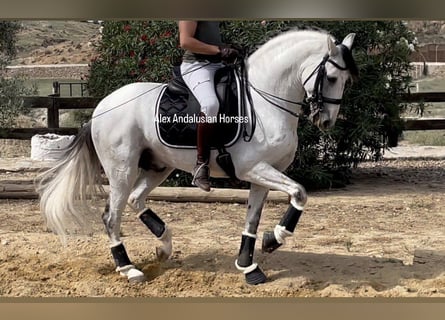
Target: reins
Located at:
point(267, 96)
point(245, 93)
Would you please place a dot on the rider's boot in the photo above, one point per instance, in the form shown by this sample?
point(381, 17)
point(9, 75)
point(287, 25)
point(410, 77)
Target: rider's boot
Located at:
point(201, 171)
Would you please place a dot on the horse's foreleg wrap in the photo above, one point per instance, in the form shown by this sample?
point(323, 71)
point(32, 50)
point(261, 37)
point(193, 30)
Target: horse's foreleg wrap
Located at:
point(120, 256)
point(273, 240)
point(153, 222)
point(245, 255)
point(244, 263)
point(290, 219)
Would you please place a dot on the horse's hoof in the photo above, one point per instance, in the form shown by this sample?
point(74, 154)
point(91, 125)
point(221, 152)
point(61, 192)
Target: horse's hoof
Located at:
point(161, 255)
point(135, 276)
point(255, 277)
point(164, 251)
point(270, 243)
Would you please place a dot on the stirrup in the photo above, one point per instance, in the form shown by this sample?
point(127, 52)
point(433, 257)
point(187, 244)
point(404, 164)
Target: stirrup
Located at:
point(201, 177)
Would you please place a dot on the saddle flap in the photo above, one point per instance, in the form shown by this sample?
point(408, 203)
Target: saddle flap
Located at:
point(177, 84)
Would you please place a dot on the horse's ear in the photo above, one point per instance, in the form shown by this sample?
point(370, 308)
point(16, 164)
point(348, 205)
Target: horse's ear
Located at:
point(348, 40)
point(333, 50)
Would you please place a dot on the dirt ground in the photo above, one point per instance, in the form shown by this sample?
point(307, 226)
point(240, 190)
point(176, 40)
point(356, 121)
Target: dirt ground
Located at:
point(382, 236)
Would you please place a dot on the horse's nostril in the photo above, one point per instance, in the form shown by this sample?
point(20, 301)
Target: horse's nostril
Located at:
point(326, 124)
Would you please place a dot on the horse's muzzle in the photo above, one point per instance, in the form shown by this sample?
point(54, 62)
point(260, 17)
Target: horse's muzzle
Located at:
point(321, 120)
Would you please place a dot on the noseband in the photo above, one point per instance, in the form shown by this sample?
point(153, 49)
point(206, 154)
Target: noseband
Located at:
point(317, 100)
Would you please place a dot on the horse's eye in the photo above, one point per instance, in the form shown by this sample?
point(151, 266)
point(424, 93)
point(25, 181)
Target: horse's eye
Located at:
point(332, 80)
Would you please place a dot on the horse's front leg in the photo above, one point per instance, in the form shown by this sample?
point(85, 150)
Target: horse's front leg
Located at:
point(269, 177)
point(244, 263)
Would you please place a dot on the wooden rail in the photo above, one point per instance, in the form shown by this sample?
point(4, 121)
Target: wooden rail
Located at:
point(27, 133)
point(424, 123)
point(54, 103)
point(13, 189)
point(418, 97)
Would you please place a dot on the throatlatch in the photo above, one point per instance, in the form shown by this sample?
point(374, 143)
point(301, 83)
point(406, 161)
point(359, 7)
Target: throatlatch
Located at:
point(153, 222)
point(273, 240)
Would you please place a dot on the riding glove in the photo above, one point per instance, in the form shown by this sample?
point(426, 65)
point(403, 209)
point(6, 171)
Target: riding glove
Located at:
point(228, 54)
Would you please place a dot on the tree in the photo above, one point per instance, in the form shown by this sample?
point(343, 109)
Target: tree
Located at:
point(133, 51)
point(11, 89)
point(370, 115)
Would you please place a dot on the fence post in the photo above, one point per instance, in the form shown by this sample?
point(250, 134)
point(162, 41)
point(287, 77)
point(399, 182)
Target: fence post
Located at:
point(53, 111)
point(56, 89)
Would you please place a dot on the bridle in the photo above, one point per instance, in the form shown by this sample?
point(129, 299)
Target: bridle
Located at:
point(317, 100)
point(312, 105)
point(314, 102)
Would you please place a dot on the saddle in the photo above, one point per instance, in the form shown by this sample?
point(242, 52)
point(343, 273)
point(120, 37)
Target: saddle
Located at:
point(178, 110)
point(177, 114)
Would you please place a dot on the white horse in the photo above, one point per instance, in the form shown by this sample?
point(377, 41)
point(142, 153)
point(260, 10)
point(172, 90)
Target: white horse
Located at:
point(122, 135)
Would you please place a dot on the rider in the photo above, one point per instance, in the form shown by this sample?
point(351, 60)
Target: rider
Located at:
point(204, 54)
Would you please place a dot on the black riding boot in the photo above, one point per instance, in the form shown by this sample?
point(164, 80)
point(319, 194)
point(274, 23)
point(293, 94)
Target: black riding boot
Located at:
point(201, 171)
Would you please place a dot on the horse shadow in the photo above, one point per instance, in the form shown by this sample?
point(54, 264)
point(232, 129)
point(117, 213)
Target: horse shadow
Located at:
point(319, 270)
point(312, 270)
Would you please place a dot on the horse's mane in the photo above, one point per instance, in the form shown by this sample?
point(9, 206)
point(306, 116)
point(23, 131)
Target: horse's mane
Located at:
point(285, 48)
point(296, 34)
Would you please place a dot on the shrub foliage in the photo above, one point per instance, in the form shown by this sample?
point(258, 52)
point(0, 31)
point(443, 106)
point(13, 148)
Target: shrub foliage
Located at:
point(11, 89)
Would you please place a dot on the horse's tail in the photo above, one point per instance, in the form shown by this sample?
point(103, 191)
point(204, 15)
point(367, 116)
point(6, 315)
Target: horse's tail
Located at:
point(66, 188)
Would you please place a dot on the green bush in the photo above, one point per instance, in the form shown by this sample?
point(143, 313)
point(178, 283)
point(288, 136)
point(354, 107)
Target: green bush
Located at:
point(11, 89)
point(370, 115)
point(133, 51)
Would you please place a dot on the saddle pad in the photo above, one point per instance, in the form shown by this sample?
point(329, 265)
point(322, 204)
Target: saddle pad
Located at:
point(177, 116)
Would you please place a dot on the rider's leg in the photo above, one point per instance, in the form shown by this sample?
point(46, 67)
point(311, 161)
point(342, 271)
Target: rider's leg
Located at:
point(201, 171)
point(199, 77)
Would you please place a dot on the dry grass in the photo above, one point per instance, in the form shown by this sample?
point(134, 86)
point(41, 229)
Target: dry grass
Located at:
point(10, 148)
point(49, 42)
point(13, 148)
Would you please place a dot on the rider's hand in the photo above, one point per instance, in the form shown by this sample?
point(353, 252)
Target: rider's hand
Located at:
point(228, 54)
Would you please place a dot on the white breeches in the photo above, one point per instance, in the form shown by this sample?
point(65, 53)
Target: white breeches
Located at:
point(199, 77)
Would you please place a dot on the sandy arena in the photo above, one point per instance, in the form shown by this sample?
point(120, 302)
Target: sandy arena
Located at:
point(382, 236)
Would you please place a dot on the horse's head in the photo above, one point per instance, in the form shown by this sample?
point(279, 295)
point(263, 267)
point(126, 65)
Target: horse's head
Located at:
point(325, 82)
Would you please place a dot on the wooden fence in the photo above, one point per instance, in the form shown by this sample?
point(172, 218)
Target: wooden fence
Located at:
point(424, 123)
point(54, 103)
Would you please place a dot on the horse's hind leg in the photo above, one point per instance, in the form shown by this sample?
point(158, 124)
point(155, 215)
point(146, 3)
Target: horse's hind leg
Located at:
point(121, 179)
point(146, 182)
